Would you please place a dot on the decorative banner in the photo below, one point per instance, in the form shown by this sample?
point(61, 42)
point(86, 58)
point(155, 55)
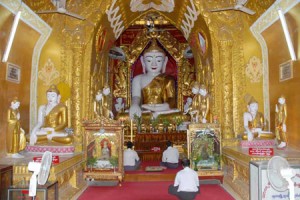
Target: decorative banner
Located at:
point(55, 159)
point(261, 151)
point(254, 69)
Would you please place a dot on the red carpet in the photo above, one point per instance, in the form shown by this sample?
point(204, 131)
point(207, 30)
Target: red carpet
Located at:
point(149, 191)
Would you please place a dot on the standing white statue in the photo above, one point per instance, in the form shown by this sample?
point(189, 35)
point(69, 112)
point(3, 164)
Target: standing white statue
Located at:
point(194, 111)
point(119, 106)
point(204, 103)
point(187, 105)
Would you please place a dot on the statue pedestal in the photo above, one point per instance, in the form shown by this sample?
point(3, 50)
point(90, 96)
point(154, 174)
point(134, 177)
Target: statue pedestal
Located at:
point(54, 149)
point(257, 143)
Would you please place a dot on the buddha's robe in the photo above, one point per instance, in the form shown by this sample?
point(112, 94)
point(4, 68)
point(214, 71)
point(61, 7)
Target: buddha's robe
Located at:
point(258, 122)
point(57, 118)
point(160, 90)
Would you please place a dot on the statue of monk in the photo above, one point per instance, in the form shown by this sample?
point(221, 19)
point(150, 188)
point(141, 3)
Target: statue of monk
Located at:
point(119, 105)
point(52, 120)
point(107, 102)
point(153, 90)
point(204, 103)
point(14, 133)
point(195, 108)
point(254, 122)
point(280, 122)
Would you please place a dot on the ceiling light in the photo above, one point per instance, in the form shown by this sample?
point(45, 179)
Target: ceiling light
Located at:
point(11, 36)
point(287, 34)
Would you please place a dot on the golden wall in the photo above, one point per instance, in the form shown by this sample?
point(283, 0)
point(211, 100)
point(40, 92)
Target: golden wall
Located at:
point(278, 53)
point(21, 55)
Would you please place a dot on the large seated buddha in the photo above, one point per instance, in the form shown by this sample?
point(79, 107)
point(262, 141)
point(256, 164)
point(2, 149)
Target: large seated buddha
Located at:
point(153, 92)
point(52, 120)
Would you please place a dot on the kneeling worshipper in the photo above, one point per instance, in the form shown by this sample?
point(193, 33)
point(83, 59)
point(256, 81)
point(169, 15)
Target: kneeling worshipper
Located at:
point(131, 159)
point(170, 156)
point(186, 185)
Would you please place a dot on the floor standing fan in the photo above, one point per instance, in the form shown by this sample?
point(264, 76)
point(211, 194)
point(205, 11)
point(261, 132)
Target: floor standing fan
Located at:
point(280, 175)
point(40, 172)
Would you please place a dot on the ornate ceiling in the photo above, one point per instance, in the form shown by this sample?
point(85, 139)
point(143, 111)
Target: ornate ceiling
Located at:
point(123, 13)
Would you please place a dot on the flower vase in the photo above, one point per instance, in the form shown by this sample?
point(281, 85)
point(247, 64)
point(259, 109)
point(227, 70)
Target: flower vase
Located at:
point(139, 128)
point(195, 166)
point(165, 129)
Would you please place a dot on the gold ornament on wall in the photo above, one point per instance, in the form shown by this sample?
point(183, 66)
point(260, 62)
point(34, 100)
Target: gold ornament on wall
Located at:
point(48, 73)
point(254, 70)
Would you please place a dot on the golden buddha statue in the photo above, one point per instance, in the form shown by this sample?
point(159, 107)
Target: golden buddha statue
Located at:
point(15, 134)
point(153, 92)
point(200, 104)
point(254, 122)
point(280, 122)
point(52, 120)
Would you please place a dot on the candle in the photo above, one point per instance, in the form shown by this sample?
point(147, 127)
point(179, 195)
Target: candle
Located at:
point(131, 130)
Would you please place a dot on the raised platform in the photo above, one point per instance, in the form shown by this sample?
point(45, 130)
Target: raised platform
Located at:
point(236, 163)
point(68, 173)
point(142, 175)
point(59, 149)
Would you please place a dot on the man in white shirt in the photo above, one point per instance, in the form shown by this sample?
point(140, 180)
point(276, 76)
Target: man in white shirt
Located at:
point(186, 185)
point(170, 156)
point(131, 159)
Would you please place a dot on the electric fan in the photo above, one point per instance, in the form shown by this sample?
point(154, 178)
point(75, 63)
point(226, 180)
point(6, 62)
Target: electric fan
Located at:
point(40, 172)
point(280, 175)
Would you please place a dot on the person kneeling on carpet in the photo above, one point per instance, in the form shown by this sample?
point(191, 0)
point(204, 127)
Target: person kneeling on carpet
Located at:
point(186, 185)
point(170, 156)
point(131, 159)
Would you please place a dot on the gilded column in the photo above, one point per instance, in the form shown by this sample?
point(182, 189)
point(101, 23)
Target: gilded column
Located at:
point(225, 56)
point(76, 104)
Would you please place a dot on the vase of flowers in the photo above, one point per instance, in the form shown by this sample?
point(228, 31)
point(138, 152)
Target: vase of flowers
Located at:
point(114, 162)
point(91, 162)
point(138, 121)
point(165, 123)
point(178, 122)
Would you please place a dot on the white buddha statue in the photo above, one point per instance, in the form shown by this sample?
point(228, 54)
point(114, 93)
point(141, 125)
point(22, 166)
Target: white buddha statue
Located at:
point(52, 120)
point(153, 90)
point(254, 122)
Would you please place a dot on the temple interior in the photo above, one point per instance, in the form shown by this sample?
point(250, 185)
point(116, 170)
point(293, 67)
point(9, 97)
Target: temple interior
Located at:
point(89, 53)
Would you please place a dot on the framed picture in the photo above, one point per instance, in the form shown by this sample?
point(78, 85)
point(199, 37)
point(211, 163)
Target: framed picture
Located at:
point(204, 146)
point(103, 149)
point(13, 73)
